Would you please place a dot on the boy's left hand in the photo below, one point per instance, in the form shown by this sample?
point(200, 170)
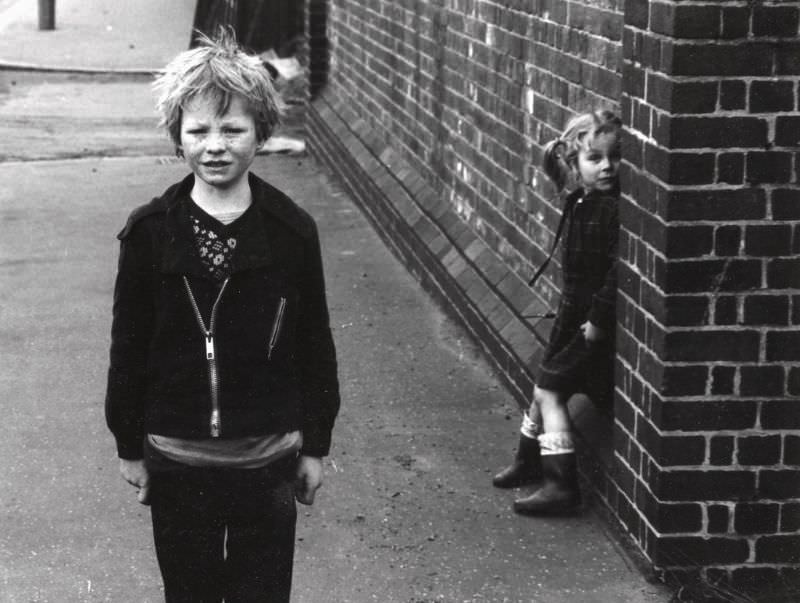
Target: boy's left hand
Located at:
point(308, 478)
point(592, 333)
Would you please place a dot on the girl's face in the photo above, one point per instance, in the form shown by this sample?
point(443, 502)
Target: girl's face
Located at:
point(218, 148)
point(598, 163)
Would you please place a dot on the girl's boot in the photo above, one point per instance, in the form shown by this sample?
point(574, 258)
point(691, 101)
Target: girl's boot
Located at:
point(559, 493)
point(526, 467)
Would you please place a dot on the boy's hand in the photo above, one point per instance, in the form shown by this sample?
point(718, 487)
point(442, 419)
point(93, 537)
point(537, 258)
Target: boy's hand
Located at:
point(592, 333)
point(135, 473)
point(308, 478)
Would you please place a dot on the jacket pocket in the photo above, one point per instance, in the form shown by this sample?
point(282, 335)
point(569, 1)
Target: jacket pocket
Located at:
point(277, 327)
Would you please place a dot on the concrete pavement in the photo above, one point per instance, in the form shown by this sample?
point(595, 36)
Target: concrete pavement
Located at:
point(407, 512)
point(95, 35)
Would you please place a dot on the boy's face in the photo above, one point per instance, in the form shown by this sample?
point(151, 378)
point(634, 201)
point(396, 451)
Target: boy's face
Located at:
point(598, 163)
point(218, 148)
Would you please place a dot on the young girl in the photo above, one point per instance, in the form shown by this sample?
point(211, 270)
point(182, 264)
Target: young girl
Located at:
point(579, 355)
point(222, 387)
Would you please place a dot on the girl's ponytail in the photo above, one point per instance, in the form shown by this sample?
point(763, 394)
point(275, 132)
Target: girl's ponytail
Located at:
point(553, 163)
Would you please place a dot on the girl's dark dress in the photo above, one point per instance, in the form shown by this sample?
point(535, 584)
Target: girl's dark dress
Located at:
point(589, 255)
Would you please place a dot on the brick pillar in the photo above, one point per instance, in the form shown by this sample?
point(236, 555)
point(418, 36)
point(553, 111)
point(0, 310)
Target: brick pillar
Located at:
point(707, 416)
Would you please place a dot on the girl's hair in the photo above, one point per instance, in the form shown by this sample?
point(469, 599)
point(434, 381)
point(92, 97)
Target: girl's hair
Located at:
point(561, 155)
point(217, 69)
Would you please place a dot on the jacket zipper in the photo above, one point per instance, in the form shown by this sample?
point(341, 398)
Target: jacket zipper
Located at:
point(211, 356)
point(276, 327)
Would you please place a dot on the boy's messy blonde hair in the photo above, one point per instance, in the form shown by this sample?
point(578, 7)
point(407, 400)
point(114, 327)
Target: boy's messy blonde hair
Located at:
point(217, 69)
point(561, 155)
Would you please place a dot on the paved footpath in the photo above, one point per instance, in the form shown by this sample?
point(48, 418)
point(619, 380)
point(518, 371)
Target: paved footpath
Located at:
point(407, 513)
point(132, 35)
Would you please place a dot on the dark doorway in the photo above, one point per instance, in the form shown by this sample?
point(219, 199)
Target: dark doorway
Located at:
point(259, 24)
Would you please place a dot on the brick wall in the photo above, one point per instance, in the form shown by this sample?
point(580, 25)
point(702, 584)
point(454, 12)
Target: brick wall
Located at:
point(709, 343)
point(469, 90)
point(441, 108)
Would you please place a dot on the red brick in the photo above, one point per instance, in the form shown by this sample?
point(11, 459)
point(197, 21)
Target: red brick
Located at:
point(791, 450)
point(735, 22)
point(712, 345)
point(730, 168)
point(725, 310)
point(790, 517)
point(759, 450)
point(684, 380)
point(686, 310)
point(768, 240)
point(683, 21)
point(696, 551)
point(689, 241)
point(722, 380)
point(768, 96)
point(783, 273)
point(697, 276)
point(783, 345)
point(756, 518)
point(787, 133)
point(698, 415)
point(732, 95)
point(721, 450)
point(681, 97)
point(718, 519)
point(715, 132)
point(669, 518)
point(787, 58)
point(679, 168)
point(778, 21)
point(780, 414)
point(686, 485)
point(778, 549)
point(772, 167)
point(637, 13)
point(754, 58)
point(717, 205)
point(727, 240)
point(766, 310)
point(793, 382)
point(778, 484)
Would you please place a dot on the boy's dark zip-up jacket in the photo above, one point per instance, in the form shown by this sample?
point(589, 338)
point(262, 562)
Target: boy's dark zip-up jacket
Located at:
point(273, 349)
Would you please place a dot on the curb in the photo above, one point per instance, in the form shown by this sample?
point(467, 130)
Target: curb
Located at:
point(134, 73)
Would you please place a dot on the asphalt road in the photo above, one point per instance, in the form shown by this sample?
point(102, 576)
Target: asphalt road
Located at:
point(407, 512)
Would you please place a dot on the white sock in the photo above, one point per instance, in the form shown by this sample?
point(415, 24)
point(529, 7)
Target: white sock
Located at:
point(557, 442)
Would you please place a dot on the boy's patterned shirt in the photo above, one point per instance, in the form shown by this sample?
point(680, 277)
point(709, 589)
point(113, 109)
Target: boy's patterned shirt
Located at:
point(215, 247)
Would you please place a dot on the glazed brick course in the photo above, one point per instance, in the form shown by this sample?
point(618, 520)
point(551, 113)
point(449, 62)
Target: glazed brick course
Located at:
point(454, 100)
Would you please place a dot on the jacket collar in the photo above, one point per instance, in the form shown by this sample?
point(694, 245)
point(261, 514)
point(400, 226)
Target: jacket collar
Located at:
point(180, 252)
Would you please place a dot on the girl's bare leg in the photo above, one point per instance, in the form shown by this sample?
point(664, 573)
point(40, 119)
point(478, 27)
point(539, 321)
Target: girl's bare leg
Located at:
point(552, 407)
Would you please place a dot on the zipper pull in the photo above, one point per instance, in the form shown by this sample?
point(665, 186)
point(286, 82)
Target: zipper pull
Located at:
point(209, 347)
point(215, 423)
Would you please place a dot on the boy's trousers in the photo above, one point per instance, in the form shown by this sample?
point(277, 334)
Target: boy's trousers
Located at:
point(222, 532)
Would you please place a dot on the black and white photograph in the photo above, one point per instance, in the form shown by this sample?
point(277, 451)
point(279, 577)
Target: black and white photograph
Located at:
point(400, 301)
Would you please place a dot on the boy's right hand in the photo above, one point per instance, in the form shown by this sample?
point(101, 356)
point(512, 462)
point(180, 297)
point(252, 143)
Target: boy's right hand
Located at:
point(135, 473)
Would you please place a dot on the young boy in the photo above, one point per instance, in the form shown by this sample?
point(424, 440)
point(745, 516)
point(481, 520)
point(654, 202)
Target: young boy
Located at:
point(222, 386)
